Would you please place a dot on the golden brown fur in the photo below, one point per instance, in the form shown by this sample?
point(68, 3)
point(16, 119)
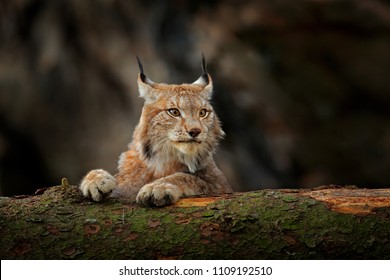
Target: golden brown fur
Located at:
point(171, 155)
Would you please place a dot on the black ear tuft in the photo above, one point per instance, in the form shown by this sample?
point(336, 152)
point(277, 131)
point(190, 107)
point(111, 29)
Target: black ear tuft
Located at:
point(204, 65)
point(205, 76)
point(141, 70)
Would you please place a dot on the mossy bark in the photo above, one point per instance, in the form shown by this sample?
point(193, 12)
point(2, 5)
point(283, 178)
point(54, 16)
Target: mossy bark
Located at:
point(266, 224)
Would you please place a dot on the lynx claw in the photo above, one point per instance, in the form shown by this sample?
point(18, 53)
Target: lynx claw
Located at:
point(97, 185)
point(157, 194)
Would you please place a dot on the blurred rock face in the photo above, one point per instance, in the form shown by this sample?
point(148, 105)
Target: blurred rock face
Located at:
point(302, 87)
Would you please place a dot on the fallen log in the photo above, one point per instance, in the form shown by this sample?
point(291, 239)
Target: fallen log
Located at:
point(324, 223)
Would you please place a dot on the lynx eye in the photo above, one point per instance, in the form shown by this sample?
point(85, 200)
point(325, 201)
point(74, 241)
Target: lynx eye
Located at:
point(203, 113)
point(173, 112)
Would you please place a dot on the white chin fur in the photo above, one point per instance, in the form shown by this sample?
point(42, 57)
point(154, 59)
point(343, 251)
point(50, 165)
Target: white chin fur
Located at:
point(189, 148)
point(172, 151)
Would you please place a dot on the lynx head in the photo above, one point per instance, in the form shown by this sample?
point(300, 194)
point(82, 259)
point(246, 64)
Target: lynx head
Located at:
point(178, 123)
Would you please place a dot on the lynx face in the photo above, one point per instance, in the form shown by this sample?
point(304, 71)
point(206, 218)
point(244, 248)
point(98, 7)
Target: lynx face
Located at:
point(182, 125)
point(188, 119)
point(178, 124)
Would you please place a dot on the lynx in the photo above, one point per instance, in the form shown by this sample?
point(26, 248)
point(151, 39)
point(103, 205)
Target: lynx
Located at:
point(171, 154)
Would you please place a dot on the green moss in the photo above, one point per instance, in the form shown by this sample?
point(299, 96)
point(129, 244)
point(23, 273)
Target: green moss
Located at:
point(289, 198)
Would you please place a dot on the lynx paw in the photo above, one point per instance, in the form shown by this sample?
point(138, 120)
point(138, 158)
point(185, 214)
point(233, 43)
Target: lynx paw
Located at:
point(158, 194)
point(97, 184)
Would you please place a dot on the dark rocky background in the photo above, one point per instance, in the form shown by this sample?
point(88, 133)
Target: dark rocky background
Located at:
point(302, 87)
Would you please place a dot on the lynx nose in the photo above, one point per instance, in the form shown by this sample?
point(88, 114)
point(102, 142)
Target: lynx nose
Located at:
point(194, 132)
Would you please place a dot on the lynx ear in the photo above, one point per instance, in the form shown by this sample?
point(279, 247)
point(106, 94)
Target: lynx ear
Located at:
point(205, 81)
point(145, 85)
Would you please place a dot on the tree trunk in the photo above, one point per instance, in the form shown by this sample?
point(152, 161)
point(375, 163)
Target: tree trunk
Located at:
point(322, 223)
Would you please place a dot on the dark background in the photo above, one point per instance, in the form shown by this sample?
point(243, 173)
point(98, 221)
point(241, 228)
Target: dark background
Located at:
point(302, 87)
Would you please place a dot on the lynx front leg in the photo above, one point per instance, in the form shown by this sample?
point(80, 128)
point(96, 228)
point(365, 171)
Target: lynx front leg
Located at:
point(169, 189)
point(97, 184)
